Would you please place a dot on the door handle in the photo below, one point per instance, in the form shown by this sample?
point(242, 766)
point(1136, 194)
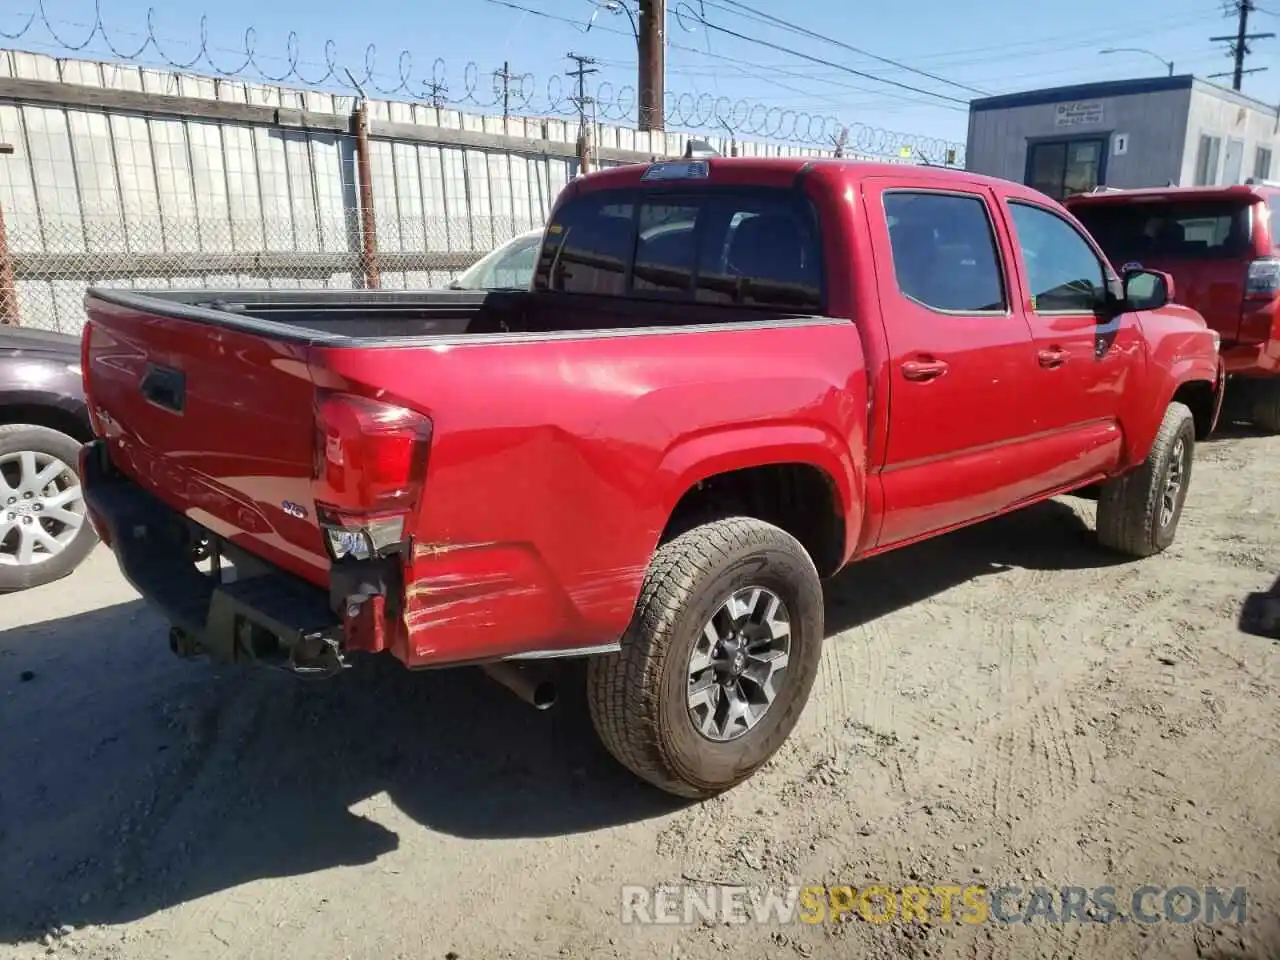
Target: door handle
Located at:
point(923, 369)
point(1054, 357)
point(165, 387)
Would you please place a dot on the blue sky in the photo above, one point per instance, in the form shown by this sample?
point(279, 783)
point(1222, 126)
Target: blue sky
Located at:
point(995, 46)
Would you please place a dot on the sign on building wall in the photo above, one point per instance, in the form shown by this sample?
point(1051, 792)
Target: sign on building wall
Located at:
point(1082, 113)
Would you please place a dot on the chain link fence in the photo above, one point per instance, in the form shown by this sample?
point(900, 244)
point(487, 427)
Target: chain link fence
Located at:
point(52, 262)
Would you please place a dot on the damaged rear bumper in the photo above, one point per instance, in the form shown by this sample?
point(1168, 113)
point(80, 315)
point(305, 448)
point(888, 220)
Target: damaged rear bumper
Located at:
point(264, 614)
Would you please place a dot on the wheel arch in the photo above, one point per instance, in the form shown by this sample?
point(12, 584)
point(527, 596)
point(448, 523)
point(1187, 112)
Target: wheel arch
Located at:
point(40, 410)
point(799, 478)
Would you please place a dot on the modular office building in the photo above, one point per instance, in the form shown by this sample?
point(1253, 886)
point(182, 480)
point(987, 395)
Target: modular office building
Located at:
point(1156, 132)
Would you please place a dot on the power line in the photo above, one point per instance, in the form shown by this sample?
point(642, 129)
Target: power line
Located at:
point(754, 69)
point(828, 63)
point(769, 18)
point(742, 65)
point(1082, 39)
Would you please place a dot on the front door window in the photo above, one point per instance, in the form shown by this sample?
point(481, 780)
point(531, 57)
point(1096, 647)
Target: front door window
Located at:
point(1064, 167)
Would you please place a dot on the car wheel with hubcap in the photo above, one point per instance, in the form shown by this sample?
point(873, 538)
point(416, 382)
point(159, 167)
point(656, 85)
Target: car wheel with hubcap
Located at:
point(44, 533)
point(718, 661)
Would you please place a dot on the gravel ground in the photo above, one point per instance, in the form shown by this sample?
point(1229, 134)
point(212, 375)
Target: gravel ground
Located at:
point(1005, 705)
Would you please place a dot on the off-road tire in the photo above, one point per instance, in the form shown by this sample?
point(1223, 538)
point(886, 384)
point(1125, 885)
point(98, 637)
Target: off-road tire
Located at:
point(1129, 507)
point(638, 697)
point(1265, 409)
point(17, 437)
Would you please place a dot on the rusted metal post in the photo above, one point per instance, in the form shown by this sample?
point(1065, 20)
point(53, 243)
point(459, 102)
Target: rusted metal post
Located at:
point(584, 148)
point(8, 290)
point(368, 222)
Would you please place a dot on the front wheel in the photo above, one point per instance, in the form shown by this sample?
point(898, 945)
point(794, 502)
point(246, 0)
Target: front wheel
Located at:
point(718, 661)
point(1138, 513)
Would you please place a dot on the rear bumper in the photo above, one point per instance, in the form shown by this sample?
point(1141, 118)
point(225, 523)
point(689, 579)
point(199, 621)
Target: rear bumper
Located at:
point(265, 614)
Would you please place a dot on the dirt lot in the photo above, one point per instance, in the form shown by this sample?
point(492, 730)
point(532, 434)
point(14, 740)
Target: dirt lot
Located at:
point(1006, 705)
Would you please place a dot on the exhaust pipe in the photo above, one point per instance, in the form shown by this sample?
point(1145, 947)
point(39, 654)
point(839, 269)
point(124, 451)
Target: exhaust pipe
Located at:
point(531, 686)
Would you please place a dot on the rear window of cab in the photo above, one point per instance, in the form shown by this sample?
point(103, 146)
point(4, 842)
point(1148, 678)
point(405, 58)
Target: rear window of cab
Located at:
point(755, 247)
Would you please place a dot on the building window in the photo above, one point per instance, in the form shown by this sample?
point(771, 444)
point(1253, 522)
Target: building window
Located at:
point(1262, 164)
point(1207, 160)
point(1064, 167)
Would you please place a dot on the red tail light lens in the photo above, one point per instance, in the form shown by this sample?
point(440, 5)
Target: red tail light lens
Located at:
point(370, 456)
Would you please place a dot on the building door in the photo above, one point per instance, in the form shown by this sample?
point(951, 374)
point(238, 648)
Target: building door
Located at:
point(1232, 162)
point(1060, 168)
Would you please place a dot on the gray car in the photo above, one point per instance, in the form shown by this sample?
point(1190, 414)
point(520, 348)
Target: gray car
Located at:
point(43, 423)
point(508, 267)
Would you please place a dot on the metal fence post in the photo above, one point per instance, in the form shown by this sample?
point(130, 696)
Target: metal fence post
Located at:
point(8, 289)
point(364, 173)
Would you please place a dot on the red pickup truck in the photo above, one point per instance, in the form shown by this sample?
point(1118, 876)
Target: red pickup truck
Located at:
point(731, 377)
point(1221, 245)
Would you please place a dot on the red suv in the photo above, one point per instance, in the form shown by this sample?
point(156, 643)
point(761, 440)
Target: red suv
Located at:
point(1223, 251)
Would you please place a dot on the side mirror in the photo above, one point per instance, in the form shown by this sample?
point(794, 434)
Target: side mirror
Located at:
point(1147, 289)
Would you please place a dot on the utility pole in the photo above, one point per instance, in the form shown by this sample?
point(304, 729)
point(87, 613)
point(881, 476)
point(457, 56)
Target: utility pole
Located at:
point(1239, 44)
point(436, 89)
point(583, 69)
point(839, 142)
point(504, 75)
point(651, 48)
point(580, 73)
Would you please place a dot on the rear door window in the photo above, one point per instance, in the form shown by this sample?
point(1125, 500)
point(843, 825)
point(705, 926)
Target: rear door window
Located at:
point(752, 248)
point(1139, 231)
point(944, 251)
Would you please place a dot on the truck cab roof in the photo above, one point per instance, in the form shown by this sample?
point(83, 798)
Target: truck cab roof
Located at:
point(783, 171)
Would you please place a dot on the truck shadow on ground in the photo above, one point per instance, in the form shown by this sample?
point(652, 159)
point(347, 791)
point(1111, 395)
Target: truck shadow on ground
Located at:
point(1260, 613)
point(1236, 429)
point(131, 781)
point(1047, 536)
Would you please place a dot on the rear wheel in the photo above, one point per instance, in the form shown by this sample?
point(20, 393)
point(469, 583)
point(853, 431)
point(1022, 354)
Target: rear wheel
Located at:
point(718, 662)
point(1138, 513)
point(44, 534)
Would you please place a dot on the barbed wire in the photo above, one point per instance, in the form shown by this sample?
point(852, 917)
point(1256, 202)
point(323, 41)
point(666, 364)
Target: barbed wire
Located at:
point(480, 88)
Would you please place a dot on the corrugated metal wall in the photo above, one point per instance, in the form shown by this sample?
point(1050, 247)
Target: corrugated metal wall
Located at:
point(142, 199)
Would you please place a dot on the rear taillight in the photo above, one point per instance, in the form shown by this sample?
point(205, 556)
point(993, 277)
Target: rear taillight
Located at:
point(370, 466)
point(1262, 282)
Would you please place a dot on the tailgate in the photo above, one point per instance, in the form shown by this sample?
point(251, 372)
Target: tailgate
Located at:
point(218, 423)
